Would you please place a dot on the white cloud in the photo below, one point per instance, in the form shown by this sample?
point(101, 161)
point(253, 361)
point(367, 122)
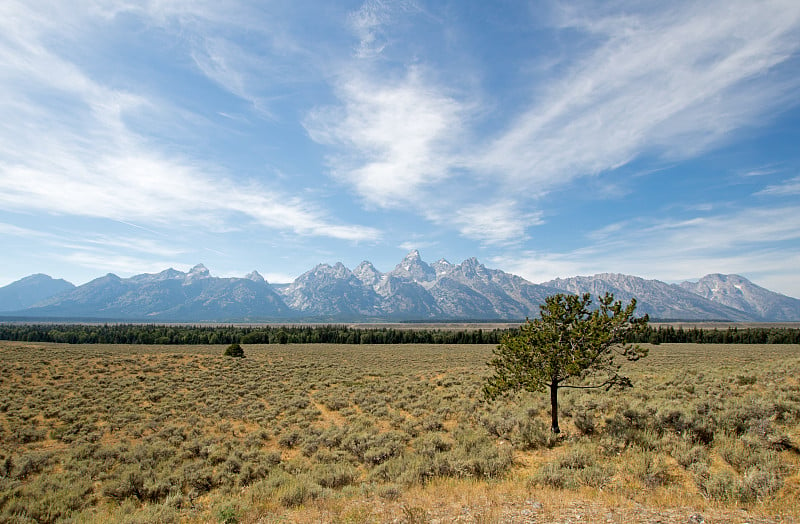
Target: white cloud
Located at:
point(496, 223)
point(410, 245)
point(71, 152)
point(152, 189)
point(539, 267)
point(370, 21)
point(675, 81)
point(789, 187)
point(220, 61)
point(761, 171)
point(745, 228)
point(666, 80)
point(136, 244)
point(16, 231)
point(397, 137)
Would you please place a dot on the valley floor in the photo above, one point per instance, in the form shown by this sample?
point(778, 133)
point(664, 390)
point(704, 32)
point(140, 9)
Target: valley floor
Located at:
point(348, 433)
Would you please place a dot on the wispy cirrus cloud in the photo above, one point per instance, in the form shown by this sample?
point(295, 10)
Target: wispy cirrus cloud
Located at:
point(133, 244)
point(674, 80)
point(75, 153)
point(399, 147)
point(394, 139)
point(664, 81)
point(408, 245)
point(16, 231)
point(498, 222)
point(120, 254)
point(788, 187)
point(370, 23)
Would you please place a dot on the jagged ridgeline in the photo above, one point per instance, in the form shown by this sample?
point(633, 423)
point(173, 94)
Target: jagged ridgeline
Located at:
point(413, 291)
point(340, 334)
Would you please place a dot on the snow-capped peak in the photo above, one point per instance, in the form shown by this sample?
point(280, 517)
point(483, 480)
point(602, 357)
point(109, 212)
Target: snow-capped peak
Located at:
point(414, 268)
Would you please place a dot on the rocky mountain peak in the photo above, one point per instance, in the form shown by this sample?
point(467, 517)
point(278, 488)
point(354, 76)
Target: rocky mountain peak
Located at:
point(170, 273)
point(472, 268)
point(255, 276)
point(442, 267)
point(199, 271)
point(367, 273)
point(325, 273)
point(414, 290)
point(414, 268)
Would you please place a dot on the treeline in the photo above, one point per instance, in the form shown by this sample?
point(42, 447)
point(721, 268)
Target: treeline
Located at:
point(731, 335)
point(318, 334)
point(339, 334)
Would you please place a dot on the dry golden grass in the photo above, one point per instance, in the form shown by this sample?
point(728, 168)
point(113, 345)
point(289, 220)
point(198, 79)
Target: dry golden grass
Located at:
point(329, 433)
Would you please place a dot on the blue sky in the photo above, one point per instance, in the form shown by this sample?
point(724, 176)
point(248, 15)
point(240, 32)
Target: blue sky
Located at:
point(547, 139)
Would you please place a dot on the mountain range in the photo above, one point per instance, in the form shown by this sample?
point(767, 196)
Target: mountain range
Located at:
point(413, 291)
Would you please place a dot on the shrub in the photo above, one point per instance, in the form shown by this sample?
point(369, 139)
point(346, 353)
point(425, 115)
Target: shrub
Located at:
point(577, 467)
point(334, 475)
point(290, 440)
point(578, 457)
point(759, 483)
point(31, 463)
point(227, 515)
point(719, 486)
point(742, 454)
point(534, 434)
point(746, 380)
point(553, 475)
point(649, 470)
point(429, 444)
point(234, 350)
point(47, 498)
point(595, 475)
point(476, 455)
point(687, 454)
point(389, 491)
point(585, 423)
point(296, 491)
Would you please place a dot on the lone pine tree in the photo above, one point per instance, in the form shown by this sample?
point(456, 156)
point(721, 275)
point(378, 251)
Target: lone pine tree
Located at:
point(569, 346)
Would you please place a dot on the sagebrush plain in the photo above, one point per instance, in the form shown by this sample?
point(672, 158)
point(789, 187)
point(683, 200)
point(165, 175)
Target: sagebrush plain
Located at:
point(344, 433)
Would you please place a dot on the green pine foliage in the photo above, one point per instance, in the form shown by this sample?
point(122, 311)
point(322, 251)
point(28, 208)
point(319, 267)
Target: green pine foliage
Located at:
point(340, 334)
point(570, 345)
point(234, 350)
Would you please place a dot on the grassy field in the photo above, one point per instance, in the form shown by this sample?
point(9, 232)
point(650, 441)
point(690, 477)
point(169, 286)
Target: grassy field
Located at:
point(322, 433)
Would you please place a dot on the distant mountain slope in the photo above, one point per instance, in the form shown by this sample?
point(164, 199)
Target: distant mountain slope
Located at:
point(656, 298)
point(331, 292)
point(507, 296)
point(741, 294)
point(413, 290)
point(169, 296)
point(26, 292)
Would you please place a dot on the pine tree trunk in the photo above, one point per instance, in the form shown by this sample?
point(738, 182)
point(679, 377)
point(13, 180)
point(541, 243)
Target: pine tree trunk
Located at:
point(554, 407)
